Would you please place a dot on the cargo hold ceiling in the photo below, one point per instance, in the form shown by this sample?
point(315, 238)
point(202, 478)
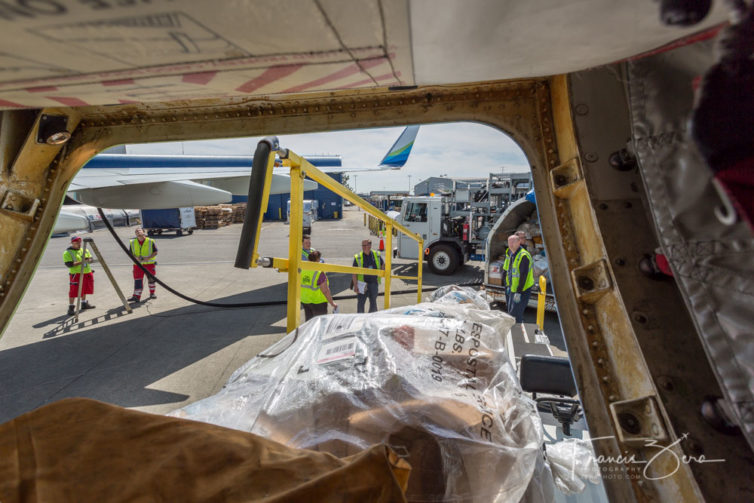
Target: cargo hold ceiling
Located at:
point(108, 52)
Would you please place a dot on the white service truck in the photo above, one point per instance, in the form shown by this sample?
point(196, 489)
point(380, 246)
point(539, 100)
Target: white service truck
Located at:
point(455, 226)
point(454, 232)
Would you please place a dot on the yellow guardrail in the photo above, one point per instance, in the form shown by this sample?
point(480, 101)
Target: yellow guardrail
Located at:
point(293, 265)
point(541, 303)
point(377, 226)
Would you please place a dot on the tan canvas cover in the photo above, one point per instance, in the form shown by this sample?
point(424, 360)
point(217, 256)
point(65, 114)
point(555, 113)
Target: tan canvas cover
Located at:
point(78, 450)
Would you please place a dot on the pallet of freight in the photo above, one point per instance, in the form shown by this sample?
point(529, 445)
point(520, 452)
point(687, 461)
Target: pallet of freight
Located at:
point(213, 217)
point(239, 212)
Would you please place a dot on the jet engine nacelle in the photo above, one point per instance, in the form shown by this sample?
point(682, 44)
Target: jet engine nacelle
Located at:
point(154, 196)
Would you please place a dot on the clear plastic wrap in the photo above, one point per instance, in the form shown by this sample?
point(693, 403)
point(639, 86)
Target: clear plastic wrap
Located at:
point(454, 294)
point(432, 381)
point(572, 461)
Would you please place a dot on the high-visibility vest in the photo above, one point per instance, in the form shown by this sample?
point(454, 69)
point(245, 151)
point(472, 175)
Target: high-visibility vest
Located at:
point(144, 249)
point(506, 266)
point(72, 255)
point(359, 257)
point(311, 293)
point(516, 272)
point(305, 253)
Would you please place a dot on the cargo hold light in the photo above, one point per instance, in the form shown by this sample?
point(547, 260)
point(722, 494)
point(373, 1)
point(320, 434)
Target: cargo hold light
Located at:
point(52, 129)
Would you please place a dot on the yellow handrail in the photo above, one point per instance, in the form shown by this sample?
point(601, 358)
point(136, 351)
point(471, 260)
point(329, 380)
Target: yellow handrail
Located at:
point(301, 168)
point(541, 303)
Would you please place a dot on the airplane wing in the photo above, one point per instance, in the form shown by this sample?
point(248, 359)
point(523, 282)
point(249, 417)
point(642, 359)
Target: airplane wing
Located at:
point(70, 222)
point(170, 181)
point(155, 182)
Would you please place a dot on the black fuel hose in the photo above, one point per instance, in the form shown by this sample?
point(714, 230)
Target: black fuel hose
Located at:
point(255, 201)
point(173, 291)
point(241, 304)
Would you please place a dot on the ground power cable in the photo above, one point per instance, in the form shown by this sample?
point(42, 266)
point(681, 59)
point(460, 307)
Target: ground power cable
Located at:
point(241, 304)
point(172, 290)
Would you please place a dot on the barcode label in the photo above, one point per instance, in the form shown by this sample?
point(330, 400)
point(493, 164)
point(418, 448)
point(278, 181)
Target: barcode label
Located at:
point(337, 350)
point(342, 325)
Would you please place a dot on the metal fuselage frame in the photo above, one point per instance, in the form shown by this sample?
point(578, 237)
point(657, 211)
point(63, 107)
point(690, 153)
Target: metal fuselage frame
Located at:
point(612, 370)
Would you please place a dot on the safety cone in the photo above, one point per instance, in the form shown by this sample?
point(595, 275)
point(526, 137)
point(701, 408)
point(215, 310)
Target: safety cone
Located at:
point(382, 242)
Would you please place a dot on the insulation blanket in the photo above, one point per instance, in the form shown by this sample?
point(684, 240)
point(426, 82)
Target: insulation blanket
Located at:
point(432, 381)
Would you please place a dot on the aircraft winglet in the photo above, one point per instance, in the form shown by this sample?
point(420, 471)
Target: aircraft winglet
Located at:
point(398, 153)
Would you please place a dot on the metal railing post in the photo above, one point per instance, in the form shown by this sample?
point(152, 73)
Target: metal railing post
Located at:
point(541, 303)
point(110, 276)
point(388, 263)
point(419, 269)
point(294, 248)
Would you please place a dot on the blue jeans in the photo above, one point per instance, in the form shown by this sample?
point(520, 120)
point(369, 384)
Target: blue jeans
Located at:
point(516, 309)
point(361, 298)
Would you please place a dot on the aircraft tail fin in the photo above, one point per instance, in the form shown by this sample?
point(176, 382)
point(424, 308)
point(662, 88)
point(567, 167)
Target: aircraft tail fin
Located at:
point(398, 154)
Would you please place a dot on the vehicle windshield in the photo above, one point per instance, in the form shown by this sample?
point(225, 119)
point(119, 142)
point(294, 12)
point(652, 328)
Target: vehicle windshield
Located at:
point(416, 212)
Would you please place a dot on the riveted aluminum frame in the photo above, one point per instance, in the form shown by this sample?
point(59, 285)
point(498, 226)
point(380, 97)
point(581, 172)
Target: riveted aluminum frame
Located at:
point(676, 378)
point(607, 361)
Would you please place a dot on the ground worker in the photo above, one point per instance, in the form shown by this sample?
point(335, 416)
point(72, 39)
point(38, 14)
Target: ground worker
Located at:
point(306, 247)
point(315, 290)
point(519, 277)
point(506, 265)
point(367, 286)
point(73, 258)
point(144, 249)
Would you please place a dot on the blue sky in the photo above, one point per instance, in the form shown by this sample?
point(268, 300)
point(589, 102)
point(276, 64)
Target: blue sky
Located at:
point(457, 150)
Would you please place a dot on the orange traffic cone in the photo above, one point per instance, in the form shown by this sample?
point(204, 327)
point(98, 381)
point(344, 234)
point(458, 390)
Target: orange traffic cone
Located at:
point(382, 242)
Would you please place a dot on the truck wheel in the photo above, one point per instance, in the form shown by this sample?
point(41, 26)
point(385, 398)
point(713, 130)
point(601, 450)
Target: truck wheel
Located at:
point(443, 260)
point(190, 231)
point(179, 232)
point(150, 232)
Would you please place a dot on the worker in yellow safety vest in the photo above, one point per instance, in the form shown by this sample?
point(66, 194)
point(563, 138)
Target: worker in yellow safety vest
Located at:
point(74, 259)
point(367, 286)
point(306, 246)
point(506, 266)
point(144, 249)
point(315, 290)
point(519, 278)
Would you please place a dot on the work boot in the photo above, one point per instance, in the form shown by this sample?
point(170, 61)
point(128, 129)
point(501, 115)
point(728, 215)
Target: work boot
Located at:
point(152, 296)
point(86, 305)
point(133, 298)
point(71, 310)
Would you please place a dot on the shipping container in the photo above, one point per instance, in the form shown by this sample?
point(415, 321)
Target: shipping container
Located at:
point(171, 219)
point(276, 208)
point(329, 204)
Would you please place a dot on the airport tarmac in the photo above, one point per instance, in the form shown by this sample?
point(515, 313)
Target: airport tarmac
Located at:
point(170, 352)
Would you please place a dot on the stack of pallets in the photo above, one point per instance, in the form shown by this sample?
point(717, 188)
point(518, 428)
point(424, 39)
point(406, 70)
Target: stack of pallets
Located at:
point(212, 217)
point(239, 212)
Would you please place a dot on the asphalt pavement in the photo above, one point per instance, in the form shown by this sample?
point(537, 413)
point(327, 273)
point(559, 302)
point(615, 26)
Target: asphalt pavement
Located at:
point(170, 352)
